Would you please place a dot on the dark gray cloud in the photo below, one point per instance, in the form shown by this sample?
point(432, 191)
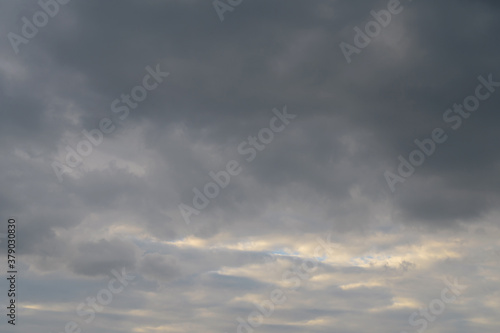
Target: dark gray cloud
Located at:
point(323, 172)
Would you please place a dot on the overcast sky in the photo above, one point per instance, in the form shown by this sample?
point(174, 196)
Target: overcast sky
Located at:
point(253, 166)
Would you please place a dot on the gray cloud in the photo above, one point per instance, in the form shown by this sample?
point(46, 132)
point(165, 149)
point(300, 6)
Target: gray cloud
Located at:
point(323, 173)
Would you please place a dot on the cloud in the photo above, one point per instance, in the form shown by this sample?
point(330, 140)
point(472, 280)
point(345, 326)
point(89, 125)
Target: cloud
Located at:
point(324, 173)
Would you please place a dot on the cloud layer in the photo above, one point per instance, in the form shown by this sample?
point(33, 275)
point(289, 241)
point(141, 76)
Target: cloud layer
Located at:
point(322, 174)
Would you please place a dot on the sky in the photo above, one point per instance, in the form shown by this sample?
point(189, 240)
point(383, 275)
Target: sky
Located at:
point(250, 165)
